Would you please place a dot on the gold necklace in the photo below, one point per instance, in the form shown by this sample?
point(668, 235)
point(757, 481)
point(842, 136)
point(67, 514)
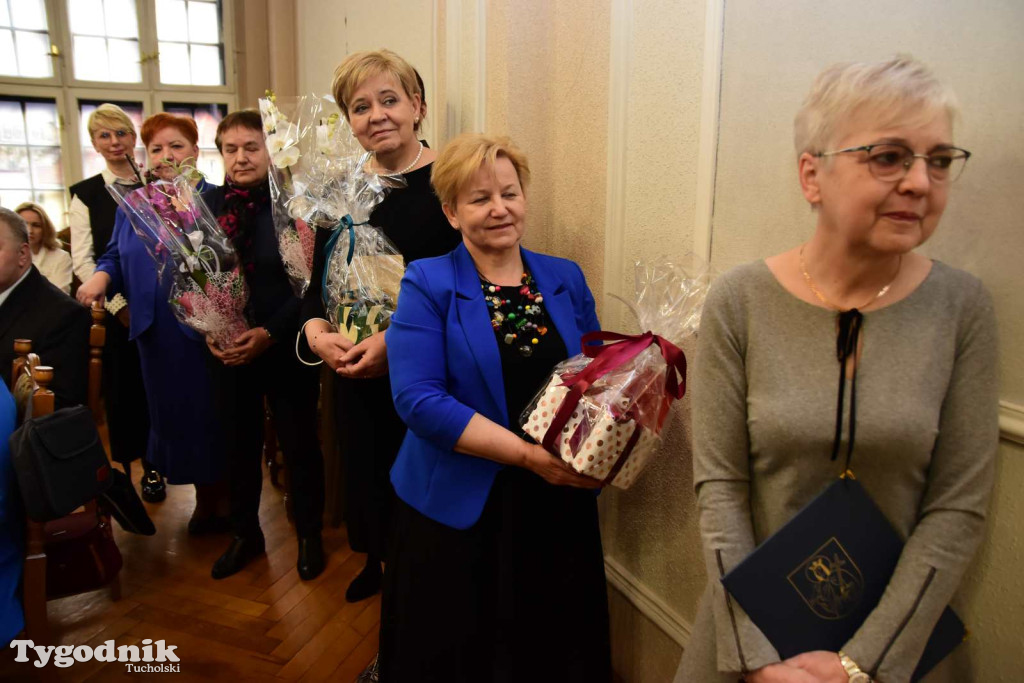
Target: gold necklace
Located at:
point(823, 299)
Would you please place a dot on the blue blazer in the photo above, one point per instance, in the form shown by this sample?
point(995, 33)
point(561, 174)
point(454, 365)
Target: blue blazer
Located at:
point(133, 274)
point(445, 366)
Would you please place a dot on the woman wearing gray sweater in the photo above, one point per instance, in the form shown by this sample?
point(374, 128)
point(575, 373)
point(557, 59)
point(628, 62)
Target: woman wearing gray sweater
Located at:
point(876, 162)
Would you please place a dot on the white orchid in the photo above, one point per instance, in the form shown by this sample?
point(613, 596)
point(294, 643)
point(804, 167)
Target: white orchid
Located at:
point(196, 238)
point(286, 157)
point(299, 207)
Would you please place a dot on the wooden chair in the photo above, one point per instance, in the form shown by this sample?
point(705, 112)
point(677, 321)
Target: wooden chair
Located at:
point(29, 375)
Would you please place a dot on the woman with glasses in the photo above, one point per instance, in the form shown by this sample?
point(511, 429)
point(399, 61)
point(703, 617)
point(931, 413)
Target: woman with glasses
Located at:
point(876, 161)
point(91, 217)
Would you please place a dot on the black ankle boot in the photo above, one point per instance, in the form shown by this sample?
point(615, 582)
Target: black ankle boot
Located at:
point(153, 488)
point(367, 584)
point(238, 554)
point(311, 557)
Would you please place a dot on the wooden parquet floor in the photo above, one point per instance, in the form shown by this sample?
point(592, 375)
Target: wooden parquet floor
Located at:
point(262, 624)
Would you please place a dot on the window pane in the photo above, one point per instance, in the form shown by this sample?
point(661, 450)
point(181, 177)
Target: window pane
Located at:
point(33, 54)
point(14, 167)
point(46, 170)
point(8, 57)
point(29, 14)
point(212, 166)
point(124, 61)
point(12, 198)
point(121, 21)
point(12, 123)
point(90, 56)
point(41, 122)
point(171, 21)
point(53, 204)
point(5, 17)
point(206, 68)
point(174, 63)
point(86, 17)
point(203, 25)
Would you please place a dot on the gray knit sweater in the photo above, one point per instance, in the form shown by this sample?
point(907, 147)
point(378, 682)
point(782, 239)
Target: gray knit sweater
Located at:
point(764, 403)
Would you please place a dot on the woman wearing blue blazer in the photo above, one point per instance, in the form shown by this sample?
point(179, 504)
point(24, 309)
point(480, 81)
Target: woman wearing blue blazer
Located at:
point(184, 444)
point(495, 570)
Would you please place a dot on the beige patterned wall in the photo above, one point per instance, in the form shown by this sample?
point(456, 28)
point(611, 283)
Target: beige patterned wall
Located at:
point(607, 99)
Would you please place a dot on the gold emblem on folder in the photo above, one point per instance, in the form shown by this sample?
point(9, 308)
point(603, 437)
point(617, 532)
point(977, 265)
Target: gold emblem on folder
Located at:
point(829, 581)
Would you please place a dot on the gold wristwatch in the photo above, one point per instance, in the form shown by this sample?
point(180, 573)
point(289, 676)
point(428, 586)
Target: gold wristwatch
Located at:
point(852, 670)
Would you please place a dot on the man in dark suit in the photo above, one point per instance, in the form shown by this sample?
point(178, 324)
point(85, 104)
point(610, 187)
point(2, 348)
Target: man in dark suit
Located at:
point(32, 308)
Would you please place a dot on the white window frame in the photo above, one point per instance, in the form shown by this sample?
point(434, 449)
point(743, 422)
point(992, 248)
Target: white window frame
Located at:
point(66, 90)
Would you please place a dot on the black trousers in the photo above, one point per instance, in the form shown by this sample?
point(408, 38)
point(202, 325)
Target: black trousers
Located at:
point(292, 391)
point(124, 394)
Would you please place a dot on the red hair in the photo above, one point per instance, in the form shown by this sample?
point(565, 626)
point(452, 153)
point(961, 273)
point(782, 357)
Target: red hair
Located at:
point(157, 122)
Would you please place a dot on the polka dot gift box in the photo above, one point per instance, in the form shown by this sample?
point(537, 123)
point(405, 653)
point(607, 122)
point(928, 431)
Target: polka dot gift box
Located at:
point(602, 410)
point(593, 441)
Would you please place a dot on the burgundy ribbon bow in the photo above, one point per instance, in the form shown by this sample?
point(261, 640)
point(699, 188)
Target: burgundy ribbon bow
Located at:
point(607, 357)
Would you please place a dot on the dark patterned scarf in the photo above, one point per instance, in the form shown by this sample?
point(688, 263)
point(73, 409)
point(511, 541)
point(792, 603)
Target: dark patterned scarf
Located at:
point(241, 206)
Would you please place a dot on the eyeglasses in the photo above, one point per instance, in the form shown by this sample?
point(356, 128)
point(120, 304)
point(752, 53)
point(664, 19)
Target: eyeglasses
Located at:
point(891, 161)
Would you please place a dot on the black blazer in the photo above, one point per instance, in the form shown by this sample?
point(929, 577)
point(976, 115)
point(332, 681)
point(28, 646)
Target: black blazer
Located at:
point(59, 329)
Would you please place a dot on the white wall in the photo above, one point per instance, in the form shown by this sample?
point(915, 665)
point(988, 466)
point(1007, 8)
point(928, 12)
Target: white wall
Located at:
point(328, 30)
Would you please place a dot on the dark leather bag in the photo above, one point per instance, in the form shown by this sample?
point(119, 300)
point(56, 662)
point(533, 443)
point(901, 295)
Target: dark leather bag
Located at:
point(60, 463)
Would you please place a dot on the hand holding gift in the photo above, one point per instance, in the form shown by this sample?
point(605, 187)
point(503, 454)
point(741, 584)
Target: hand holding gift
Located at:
point(602, 411)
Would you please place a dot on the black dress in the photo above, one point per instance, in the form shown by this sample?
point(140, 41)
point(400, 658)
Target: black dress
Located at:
point(520, 595)
point(369, 430)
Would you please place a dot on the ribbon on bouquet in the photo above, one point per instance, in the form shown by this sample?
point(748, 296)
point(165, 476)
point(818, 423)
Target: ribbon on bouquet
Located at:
point(607, 357)
point(348, 224)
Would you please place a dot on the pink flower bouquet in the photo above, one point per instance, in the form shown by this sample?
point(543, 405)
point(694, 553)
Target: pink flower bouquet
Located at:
point(195, 260)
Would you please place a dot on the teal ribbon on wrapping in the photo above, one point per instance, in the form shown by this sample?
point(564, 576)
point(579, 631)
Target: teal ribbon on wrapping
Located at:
point(346, 222)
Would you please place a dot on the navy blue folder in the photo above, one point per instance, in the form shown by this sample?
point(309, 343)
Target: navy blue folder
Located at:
point(812, 583)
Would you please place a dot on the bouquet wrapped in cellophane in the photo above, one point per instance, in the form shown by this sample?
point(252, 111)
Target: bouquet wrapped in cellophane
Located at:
point(363, 268)
point(194, 258)
point(311, 160)
point(602, 411)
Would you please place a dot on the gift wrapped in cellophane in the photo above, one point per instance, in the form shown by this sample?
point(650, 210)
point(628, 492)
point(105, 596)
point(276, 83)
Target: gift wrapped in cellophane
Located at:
point(363, 268)
point(195, 260)
point(602, 411)
point(312, 152)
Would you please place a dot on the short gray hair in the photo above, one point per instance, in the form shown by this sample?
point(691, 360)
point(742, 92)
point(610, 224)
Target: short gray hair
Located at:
point(899, 90)
point(16, 225)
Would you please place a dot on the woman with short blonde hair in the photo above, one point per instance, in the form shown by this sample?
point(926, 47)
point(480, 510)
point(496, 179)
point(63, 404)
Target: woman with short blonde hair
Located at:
point(917, 370)
point(497, 572)
point(380, 97)
point(48, 254)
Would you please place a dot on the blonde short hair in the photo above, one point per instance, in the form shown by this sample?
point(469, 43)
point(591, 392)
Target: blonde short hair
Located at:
point(898, 90)
point(50, 240)
point(109, 116)
point(461, 158)
point(359, 66)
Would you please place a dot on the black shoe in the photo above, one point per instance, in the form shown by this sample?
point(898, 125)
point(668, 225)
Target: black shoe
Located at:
point(124, 505)
point(311, 557)
point(241, 550)
point(211, 524)
point(153, 488)
point(367, 584)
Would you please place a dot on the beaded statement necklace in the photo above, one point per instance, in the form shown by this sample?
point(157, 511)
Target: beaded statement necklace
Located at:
point(519, 325)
